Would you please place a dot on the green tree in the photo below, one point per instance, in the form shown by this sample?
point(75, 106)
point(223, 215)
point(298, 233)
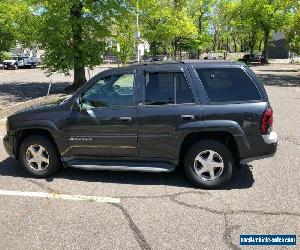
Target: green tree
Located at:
point(220, 26)
point(73, 33)
point(166, 25)
point(13, 23)
point(200, 12)
point(293, 31)
point(124, 30)
point(7, 36)
point(243, 24)
point(270, 15)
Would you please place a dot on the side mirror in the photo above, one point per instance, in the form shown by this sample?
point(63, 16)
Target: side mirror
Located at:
point(78, 103)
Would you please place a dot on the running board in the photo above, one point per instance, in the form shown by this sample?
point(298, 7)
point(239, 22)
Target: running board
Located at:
point(156, 167)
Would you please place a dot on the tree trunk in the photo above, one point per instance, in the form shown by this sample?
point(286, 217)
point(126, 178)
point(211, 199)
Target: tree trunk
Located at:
point(260, 44)
point(234, 43)
point(251, 49)
point(266, 46)
point(200, 32)
point(175, 47)
point(76, 21)
point(252, 41)
point(153, 47)
point(215, 42)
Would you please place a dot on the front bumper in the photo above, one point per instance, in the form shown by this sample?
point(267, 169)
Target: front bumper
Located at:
point(9, 66)
point(270, 143)
point(8, 142)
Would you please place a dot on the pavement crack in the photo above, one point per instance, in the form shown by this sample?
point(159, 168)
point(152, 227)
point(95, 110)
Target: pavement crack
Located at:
point(174, 200)
point(231, 211)
point(258, 212)
point(137, 232)
point(42, 186)
point(290, 139)
point(227, 233)
point(158, 196)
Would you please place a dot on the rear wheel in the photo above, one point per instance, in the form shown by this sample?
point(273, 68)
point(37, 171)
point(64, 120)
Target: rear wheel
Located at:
point(209, 164)
point(39, 156)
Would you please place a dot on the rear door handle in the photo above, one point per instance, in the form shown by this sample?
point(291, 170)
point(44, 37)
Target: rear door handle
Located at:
point(125, 119)
point(187, 117)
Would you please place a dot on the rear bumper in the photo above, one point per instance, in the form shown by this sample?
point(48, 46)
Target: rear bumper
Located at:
point(270, 143)
point(271, 138)
point(8, 143)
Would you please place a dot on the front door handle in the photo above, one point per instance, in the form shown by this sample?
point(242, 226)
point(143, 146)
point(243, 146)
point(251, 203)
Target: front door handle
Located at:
point(125, 119)
point(187, 117)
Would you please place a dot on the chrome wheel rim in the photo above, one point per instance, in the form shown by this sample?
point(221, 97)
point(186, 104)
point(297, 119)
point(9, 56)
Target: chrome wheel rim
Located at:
point(208, 165)
point(37, 157)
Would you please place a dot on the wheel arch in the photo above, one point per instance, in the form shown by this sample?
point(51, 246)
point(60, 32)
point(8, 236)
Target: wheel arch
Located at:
point(24, 133)
point(222, 136)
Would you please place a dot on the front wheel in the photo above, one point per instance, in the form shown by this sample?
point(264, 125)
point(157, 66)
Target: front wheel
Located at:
point(39, 156)
point(209, 164)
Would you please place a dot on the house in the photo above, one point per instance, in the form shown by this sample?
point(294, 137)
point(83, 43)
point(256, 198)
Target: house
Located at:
point(278, 46)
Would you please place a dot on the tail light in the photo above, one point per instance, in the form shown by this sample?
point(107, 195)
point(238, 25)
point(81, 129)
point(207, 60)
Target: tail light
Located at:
point(267, 121)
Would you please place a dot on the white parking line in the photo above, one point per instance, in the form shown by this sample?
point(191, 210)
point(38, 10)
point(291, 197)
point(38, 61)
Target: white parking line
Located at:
point(60, 196)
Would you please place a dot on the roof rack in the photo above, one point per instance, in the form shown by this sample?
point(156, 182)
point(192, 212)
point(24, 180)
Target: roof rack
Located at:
point(156, 62)
point(190, 61)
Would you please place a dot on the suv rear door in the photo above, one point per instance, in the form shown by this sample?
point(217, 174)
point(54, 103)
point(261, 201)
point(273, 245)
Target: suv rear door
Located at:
point(167, 100)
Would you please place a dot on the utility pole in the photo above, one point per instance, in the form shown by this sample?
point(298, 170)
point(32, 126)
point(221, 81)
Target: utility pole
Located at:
point(137, 33)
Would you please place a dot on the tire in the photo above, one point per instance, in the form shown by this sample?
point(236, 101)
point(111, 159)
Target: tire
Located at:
point(46, 163)
point(221, 162)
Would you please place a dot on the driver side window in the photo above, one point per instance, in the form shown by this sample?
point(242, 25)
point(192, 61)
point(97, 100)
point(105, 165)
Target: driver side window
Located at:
point(111, 91)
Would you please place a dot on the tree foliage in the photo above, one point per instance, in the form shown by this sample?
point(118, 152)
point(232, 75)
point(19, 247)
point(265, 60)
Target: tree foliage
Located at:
point(293, 31)
point(74, 33)
point(166, 25)
point(14, 16)
point(124, 30)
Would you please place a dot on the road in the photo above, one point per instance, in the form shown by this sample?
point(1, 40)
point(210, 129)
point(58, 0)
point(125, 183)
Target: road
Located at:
point(157, 211)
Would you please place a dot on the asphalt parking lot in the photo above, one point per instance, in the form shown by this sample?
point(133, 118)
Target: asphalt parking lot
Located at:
point(112, 210)
point(25, 84)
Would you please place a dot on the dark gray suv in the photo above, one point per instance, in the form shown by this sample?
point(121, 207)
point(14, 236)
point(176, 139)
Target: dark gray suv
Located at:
point(207, 117)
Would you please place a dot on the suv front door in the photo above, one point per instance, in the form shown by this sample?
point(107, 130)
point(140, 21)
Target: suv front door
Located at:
point(106, 124)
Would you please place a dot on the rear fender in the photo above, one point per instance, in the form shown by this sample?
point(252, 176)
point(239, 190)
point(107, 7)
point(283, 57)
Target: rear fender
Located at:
point(228, 126)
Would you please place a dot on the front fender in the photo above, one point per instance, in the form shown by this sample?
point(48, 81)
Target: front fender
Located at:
point(46, 125)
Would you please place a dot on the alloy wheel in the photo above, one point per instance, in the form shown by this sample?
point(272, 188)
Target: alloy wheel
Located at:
point(208, 165)
point(37, 157)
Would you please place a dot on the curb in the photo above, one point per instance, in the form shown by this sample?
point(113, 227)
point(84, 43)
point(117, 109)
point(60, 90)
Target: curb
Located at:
point(11, 109)
point(3, 121)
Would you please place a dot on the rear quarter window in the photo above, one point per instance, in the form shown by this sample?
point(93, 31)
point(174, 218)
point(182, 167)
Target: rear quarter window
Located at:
point(228, 85)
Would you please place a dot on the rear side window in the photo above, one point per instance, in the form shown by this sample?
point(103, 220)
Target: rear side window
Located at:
point(228, 85)
point(167, 88)
point(183, 92)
